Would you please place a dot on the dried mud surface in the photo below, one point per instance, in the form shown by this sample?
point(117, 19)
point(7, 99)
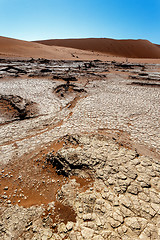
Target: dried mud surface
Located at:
point(80, 150)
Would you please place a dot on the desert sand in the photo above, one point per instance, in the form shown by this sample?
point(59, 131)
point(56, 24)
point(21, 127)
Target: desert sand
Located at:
point(111, 50)
point(121, 48)
point(79, 144)
point(14, 48)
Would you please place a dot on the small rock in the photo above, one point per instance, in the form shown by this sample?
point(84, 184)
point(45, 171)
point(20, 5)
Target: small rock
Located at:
point(87, 216)
point(121, 176)
point(4, 196)
point(87, 233)
point(117, 216)
point(133, 223)
point(69, 226)
point(114, 223)
point(47, 232)
point(34, 229)
point(134, 189)
point(62, 228)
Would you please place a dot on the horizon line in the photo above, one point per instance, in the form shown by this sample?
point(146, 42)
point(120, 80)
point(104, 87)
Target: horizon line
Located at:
point(76, 38)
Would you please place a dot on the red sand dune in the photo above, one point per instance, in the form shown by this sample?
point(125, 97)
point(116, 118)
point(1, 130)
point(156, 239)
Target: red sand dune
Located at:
point(10, 47)
point(14, 48)
point(102, 49)
point(121, 48)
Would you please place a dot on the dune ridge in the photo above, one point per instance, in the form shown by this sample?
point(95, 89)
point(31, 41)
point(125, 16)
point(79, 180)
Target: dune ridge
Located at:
point(122, 48)
point(14, 48)
point(81, 49)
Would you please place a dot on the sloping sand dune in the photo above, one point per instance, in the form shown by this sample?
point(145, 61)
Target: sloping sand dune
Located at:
point(14, 48)
point(17, 48)
point(122, 48)
point(89, 49)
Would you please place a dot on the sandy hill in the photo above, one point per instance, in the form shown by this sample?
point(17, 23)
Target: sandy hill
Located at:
point(122, 48)
point(80, 49)
point(14, 48)
point(10, 47)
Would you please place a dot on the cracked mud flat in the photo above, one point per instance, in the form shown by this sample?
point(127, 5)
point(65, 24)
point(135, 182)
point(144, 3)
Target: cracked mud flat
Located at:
point(83, 161)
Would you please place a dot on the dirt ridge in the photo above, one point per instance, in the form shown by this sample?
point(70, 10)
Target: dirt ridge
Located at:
point(125, 48)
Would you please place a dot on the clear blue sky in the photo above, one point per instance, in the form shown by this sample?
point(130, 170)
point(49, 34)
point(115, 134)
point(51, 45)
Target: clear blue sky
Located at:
point(46, 19)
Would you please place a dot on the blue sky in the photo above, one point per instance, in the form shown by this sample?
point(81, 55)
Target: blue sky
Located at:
point(46, 19)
